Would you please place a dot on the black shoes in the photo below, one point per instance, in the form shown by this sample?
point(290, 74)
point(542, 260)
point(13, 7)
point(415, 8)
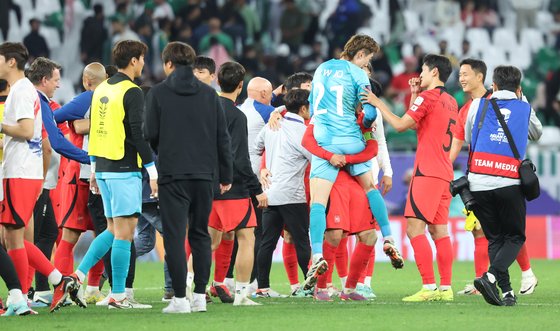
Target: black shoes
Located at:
point(488, 290)
point(510, 300)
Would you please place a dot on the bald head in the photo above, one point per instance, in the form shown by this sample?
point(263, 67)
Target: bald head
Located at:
point(94, 74)
point(260, 89)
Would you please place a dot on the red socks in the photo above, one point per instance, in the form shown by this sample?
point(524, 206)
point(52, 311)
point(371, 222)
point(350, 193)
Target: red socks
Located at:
point(444, 257)
point(19, 257)
point(37, 259)
point(368, 272)
point(358, 264)
point(94, 274)
point(329, 253)
point(64, 257)
point(289, 256)
point(523, 258)
point(424, 258)
point(188, 249)
point(222, 259)
point(481, 260)
point(342, 258)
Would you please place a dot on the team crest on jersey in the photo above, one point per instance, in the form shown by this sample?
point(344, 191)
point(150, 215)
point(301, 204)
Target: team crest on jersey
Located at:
point(417, 102)
point(337, 218)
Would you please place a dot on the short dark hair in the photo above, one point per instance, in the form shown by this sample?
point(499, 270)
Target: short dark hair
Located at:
point(507, 78)
point(111, 70)
point(296, 98)
point(476, 65)
point(3, 85)
point(41, 68)
point(440, 62)
point(230, 75)
point(98, 9)
point(178, 53)
point(295, 80)
point(205, 62)
point(15, 51)
point(125, 50)
point(376, 87)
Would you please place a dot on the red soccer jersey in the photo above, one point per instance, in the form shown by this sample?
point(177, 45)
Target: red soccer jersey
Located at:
point(435, 113)
point(459, 129)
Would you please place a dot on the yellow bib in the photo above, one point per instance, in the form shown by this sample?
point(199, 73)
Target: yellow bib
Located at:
point(107, 135)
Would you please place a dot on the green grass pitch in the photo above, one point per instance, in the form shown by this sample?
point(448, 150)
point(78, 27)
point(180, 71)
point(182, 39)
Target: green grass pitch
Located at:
point(540, 311)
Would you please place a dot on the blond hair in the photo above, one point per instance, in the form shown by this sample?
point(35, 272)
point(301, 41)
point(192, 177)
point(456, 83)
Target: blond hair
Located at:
point(358, 43)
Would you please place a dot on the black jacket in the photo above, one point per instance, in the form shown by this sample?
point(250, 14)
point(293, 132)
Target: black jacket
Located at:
point(245, 182)
point(186, 127)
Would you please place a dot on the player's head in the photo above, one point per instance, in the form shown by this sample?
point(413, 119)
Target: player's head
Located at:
point(129, 54)
point(230, 77)
point(111, 70)
point(4, 87)
point(376, 87)
point(359, 50)
point(435, 67)
point(177, 53)
point(204, 68)
point(472, 74)
point(299, 80)
point(94, 73)
point(260, 89)
point(45, 75)
point(507, 78)
point(297, 102)
point(368, 68)
point(13, 57)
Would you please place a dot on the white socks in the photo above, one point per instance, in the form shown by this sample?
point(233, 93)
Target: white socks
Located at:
point(294, 287)
point(367, 279)
point(190, 279)
point(431, 287)
point(445, 287)
point(92, 288)
point(55, 277)
point(343, 281)
point(81, 276)
point(317, 256)
point(16, 295)
point(527, 273)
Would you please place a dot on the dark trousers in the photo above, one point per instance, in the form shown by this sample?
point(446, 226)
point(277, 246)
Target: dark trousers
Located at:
point(95, 206)
point(45, 233)
point(8, 271)
point(183, 201)
point(295, 218)
point(501, 213)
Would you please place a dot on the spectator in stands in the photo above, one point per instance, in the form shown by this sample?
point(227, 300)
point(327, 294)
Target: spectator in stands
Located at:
point(5, 8)
point(251, 19)
point(292, 25)
point(93, 36)
point(485, 17)
point(526, 12)
point(35, 43)
point(382, 71)
point(466, 50)
point(160, 40)
point(468, 14)
point(400, 89)
point(121, 31)
point(163, 10)
point(216, 33)
point(447, 13)
point(313, 60)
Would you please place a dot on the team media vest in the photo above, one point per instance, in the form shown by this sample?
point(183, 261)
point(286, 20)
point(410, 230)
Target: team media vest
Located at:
point(107, 135)
point(490, 151)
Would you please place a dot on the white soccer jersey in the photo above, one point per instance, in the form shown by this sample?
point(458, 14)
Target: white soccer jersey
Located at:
point(23, 158)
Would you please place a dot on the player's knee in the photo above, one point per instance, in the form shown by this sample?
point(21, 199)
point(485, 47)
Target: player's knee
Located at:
point(245, 236)
point(438, 231)
point(368, 237)
point(333, 237)
point(288, 238)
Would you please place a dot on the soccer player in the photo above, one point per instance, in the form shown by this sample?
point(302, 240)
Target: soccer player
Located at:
point(115, 142)
point(433, 112)
point(336, 87)
point(472, 74)
point(182, 106)
point(204, 68)
point(286, 161)
point(232, 213)
point(23, 171)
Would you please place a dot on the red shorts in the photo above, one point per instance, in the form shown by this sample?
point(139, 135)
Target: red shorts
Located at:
point(56, 201)
point(75, 213)
point(20, 197)
point(229, 215)
point(338, 208)
point(428, 199)
point(361, 218)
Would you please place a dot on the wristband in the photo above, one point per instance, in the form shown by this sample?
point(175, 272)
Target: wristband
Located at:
point(152, 171)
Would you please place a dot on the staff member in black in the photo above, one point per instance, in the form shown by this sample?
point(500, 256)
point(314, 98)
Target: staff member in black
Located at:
point(186, 127)
point(494, 176)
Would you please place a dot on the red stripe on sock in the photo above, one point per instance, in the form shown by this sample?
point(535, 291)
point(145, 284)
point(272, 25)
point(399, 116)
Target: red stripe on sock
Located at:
point(342, 258)
point(94, 274)
point(64, 257)
point(481, 259)
point(222, 257)
point(38, 260)
point(444, 257)
point(289, 256)
point(329, 253)
point(423, 256)
point(523, 258)
point(358, 264)
point(19, 258)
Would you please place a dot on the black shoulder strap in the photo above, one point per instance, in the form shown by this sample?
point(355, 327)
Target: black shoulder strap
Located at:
point(481, 120)
point(505, 128)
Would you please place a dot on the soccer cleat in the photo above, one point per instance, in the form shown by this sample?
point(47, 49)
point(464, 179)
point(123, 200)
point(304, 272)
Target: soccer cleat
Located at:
point(230, 284)
point(61, 291)
point(528, 285)
point(104, 302)
point(44, 297)
point(510, 300)
point(393, 253)
point(322, 295)
point(135, 304)
point(446, 295)
point(167, 296)
point(352, 296)
point(365, 291)
point(119, 304)
point(198, 303)
point(488, 290)
point(318, 267)
point(267, 293)
point(19, 308)
point(301, 293)
point(241, 299)
point(469, 290)
point(77, 294)
point(423, 295)
point(222, 292)
point(177, 306)
point(333, 291)
point(93, 296)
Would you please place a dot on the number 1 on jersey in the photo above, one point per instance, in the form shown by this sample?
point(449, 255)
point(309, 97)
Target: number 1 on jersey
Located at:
point(338, 89)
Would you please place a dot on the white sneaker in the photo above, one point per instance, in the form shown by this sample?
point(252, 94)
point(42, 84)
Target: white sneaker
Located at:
point(178, 306)
point(135, 304)
point(230, 284)
point(241, 299)
point(528, 285)
point(104, 302)
point(253, 287)
point(469, 290)
point(198, 303)
point(267, 293)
